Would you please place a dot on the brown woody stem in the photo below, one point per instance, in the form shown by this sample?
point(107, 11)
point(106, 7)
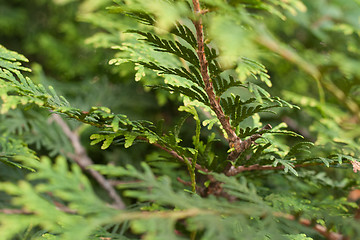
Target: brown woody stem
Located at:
point(235, 142)
point(84, 161)
point(317, 227)
point(214, 102)
point(236, 170)
point(180, 158)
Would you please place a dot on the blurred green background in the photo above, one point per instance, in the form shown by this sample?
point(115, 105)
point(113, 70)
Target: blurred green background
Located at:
point(69, 46)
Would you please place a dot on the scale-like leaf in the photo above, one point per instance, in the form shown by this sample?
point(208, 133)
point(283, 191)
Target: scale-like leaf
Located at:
point(238, 110)
point(192, 74)
point(185, 33)
point(169, 46)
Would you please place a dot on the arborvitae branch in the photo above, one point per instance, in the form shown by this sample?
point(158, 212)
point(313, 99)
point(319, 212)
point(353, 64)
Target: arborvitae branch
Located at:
point(214, 101)
point(317, 227)
point(83, 160)
point(239, 147)
point(235, 142)
point(180, 158)
point(236, 170)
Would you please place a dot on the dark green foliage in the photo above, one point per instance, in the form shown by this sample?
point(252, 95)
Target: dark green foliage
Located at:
point(185, 33)
point(174, 47)
point(221, 85)
point(193, 75)
point(239, 110)
point(192, 92)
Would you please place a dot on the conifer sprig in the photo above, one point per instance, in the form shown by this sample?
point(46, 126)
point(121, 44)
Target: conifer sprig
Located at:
point(214, 100)
point(263, 186)
point(235, 143)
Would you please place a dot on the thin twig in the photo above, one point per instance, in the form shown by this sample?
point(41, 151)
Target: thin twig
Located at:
point(214, 101)
point(180, 158)
point(242, 146)
point(235, 143)
point(83, 160)
point(317, 227)
point(183, 182)
point(10, 211)
point(236, 170)
point(194, 212)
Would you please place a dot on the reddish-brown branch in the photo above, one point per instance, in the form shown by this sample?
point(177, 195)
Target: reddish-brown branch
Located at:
point(214, 101)
point(241, 146)
point(173, 153)
point(317, 227)
point(180, 158)
point(236, 170)
point(177, 156)
point(183, 182)
point(83, 160)
point(235, 142)
point(15, 211)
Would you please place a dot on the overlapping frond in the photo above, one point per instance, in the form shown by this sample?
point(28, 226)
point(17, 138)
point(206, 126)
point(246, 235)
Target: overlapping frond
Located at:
point(169, 46)
point(239, 110)
point(278, 186)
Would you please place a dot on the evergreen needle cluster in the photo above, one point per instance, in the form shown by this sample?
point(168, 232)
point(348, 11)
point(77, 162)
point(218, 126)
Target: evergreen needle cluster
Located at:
point(223, 170)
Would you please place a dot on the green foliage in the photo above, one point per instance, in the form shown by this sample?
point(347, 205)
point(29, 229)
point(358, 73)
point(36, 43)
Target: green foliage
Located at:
point(246, 174)
point(63, 184)
point(239, 110)
point(173, 47)
point(14, 150)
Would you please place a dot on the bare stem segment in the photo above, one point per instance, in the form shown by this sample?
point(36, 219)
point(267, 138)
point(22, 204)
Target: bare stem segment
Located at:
point(84, 161)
